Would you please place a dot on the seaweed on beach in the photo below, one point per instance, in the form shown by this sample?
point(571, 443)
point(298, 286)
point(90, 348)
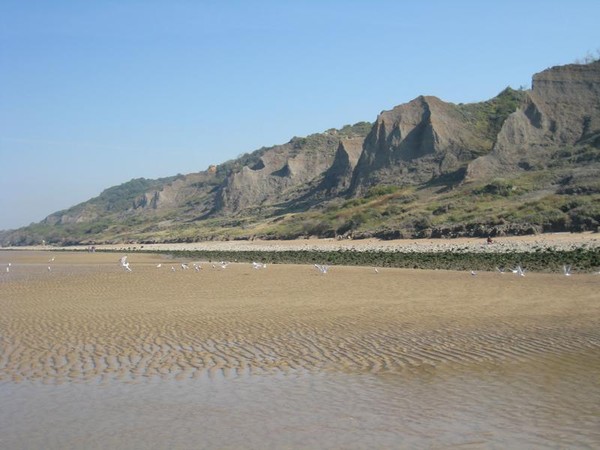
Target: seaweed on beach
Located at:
point(546, 260)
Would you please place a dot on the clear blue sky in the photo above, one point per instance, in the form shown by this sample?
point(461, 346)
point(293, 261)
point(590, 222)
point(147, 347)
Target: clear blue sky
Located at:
point(93, 94)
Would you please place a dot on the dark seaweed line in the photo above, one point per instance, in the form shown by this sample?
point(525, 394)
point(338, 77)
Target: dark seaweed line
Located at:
point(583, 260)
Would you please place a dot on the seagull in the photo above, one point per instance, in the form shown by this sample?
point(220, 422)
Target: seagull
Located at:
point(376, 270)
point(197, 267)
point(258, 265)
point(51, 259)
point(184, 266)
point(125, 264)
point(500, 270)
point(322, 268)
point(158, 266)
point(519, 271)
point(224, 264)
point(49, 269)
point(473, 273)
point(567, 270)
point(172, 269)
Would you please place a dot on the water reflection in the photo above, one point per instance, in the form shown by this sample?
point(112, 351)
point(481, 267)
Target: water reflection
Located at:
point(551, 402)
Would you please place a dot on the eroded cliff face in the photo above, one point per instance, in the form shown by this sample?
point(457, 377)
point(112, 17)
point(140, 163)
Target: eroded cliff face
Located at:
point(274, 177)
point(288, 173)
point(416, 142)
point(189, 195)
point(191, 189)
point(337, 178)
point(562, 109)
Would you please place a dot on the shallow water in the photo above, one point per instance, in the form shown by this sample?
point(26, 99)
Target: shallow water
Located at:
point(546, 403)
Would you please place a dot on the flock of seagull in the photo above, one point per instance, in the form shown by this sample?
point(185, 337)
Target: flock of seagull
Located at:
point(321, 268)
point(518, 270)
point(185, 266)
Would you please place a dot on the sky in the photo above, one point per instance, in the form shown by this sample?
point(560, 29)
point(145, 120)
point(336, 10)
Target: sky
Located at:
point(94, 94)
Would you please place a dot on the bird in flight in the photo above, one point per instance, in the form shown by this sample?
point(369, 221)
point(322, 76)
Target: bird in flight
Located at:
point(519, 271)
point(125, 264)
point(322, 268)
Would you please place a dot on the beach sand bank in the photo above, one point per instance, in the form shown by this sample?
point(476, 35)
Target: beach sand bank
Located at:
point(88, 319)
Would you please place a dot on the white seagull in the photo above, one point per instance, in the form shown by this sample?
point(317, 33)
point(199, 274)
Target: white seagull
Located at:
point(158, 266)
point(125, 264)
point(322, 268)
point(567, 270)
point(519, 271)
point(258, 265)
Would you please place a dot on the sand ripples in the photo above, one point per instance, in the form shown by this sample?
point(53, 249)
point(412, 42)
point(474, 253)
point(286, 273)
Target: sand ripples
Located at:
point(92, 321)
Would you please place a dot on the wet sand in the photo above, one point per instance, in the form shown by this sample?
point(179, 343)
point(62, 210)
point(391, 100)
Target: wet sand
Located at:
point(92, 356)
point(87, 319)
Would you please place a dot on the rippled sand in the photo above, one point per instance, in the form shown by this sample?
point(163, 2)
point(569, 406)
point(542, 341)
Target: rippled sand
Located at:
point(87, 319)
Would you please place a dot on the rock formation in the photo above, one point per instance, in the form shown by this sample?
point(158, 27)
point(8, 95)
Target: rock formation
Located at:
point(421, 145)
point(562, 109)
point(416, 142)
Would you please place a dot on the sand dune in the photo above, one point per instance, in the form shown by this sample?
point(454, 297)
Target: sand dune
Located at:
point(87, 319)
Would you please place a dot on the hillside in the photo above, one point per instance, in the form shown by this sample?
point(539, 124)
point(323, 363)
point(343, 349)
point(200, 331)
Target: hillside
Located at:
point(523, 162)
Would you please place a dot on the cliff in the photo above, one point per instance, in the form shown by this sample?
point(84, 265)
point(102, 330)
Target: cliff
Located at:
point(561, 110)
point(521, 162)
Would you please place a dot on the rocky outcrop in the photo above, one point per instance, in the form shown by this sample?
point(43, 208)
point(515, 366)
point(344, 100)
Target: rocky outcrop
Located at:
point(416, 142)
point(562, 109)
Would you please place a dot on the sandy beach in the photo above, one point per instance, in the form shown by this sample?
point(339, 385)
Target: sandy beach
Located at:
point(88, 319)
point(93, 356)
